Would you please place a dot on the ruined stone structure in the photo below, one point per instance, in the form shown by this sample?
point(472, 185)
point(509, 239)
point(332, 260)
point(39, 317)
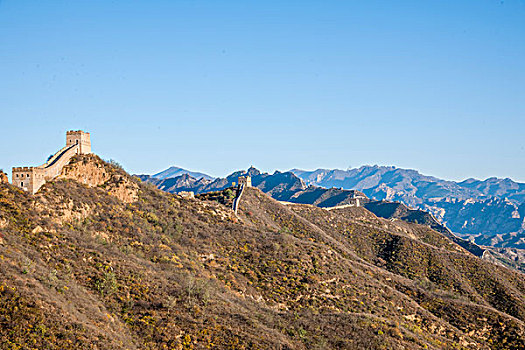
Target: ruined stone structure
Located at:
point(32, 178)
point(3, 178)
point(245, 181)
point(186, 194)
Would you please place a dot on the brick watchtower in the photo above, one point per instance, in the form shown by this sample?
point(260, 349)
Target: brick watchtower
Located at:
point(82, 139)
point(32, 178)
point(245, 181)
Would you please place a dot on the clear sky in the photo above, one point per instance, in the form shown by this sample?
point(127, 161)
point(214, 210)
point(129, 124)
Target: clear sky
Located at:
point(217, 86)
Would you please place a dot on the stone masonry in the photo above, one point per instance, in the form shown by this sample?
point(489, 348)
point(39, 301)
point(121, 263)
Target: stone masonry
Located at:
point(32, 178)
point(245, 181)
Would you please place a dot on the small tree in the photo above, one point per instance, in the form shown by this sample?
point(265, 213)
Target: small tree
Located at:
point(115, 164)
point(228, 193)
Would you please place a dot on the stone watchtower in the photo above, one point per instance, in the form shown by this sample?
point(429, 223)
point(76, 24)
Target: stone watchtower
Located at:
point(32, 178)
point(82, 139)
point(245, 181)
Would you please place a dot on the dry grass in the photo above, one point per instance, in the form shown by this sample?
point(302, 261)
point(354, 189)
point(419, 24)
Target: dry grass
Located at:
point(81, 269)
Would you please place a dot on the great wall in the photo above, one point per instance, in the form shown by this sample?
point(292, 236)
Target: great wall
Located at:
point(30, 179)
point(244, 181)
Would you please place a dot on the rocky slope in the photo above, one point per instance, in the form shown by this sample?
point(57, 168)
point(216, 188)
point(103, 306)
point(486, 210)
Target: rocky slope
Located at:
point(83, 267)
point(287, 187)
point(3, 177)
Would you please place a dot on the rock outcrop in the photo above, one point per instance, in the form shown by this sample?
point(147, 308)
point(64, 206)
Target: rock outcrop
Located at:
point(90, 170)
point(3, 177)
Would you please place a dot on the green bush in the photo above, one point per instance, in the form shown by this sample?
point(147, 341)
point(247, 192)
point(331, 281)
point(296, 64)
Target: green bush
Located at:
point(107, 285)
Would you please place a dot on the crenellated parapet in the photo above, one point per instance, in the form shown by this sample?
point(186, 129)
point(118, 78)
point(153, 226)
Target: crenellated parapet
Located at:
point(32, 178)
point(23, 168)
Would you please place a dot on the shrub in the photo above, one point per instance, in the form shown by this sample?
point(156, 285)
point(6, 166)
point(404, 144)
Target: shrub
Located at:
point(27, 266)
point(196, 289)
point(115, 164)
point(107, 285)
point(228, 193)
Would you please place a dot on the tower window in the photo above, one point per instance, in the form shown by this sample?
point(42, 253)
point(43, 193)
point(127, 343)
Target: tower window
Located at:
point(22, 184)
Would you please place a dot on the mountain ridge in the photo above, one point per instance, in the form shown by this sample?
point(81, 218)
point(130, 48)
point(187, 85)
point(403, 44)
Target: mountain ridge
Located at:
point(466, 189)
point(469, 210)
point(479, 210)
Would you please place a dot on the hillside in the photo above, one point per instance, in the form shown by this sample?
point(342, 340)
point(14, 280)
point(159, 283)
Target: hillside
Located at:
point(489, 222)
point(97, 259)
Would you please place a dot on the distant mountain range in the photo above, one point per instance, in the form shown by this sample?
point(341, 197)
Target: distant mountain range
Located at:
point(413, 188)
point(285, 187)
point(489, 212)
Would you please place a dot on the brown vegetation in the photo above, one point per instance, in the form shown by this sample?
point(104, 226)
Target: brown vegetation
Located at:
point(83, 267)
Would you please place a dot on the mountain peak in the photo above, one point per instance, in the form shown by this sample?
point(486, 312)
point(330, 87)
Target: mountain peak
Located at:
point(175, 171)
point(252, 171)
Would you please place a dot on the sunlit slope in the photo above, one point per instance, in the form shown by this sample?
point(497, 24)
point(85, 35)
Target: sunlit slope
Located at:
point(114, 263)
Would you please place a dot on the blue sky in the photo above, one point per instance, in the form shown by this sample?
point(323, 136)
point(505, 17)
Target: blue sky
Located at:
point(216, 86)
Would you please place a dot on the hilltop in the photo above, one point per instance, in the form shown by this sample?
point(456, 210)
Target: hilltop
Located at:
point(98, 259)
